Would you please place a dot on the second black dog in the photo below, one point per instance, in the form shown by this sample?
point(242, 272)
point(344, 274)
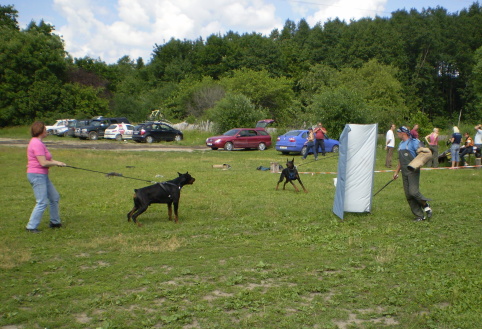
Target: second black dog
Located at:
point(290, 173)
point(166, 192)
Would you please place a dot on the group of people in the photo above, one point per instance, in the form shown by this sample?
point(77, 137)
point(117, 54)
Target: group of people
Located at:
point(316, 140)
point(458, 149)
point(407, 151)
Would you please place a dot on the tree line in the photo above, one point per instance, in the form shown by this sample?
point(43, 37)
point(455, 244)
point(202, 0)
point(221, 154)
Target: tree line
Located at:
point(423, 67)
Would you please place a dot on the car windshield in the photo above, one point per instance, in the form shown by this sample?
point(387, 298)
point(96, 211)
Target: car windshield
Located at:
point(231, 132)
point(293, 133)
point(112, 127)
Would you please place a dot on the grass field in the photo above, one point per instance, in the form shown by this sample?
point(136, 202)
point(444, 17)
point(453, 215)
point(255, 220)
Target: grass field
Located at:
point(243, 255)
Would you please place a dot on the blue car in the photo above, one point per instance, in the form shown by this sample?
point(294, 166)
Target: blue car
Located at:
point(294, 141)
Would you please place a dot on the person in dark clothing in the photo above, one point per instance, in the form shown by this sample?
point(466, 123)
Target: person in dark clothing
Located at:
point(319, 132)
point(407, 151)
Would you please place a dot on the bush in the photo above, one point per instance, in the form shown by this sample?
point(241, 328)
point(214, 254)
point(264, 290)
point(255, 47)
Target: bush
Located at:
point(235, 110)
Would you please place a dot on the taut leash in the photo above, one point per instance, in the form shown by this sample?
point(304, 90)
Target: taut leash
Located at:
point(111, 174)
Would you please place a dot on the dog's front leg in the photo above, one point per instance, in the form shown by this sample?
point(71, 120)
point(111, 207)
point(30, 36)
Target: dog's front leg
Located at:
point(304, 189)
point(296, 189)
point(280, 180)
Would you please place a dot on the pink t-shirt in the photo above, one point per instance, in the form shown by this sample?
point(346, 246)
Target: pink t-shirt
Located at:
point(34, 149)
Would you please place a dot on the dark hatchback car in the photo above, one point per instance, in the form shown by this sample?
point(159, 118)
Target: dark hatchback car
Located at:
point(150, 132)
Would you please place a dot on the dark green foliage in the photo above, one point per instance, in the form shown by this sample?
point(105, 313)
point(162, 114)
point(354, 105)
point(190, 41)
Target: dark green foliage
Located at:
point(235, 111)
point(432, 55)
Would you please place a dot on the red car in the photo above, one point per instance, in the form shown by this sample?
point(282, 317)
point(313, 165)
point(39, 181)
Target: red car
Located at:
point(248, 138)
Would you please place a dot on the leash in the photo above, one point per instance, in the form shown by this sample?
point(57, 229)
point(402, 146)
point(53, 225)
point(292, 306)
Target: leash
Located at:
point(391, 180)
point(323, 157)
point(111, 174)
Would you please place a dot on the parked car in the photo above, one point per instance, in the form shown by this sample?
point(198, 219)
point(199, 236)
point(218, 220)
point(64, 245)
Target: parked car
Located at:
point(294, 141)
point(67, 130)
point(119, 131)
point(58, 124)
point(248, 138)
point(79, 125)
point(97, 126)
point(150, 132)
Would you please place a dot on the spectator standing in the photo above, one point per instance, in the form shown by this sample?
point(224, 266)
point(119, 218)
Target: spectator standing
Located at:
point(478, 140)
point(468, 148)
point(310, 142)
point(454, 149)
point(407, 151)
point(39, 162)
point(432, 141)
point(319, 132)
point(389, 145)
point(414, 132)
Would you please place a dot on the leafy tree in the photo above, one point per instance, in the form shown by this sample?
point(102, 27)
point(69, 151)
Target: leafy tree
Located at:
point(273, 94)
point(8, 18)
point(234, 110)
point(254, 52)
point(81, 102)
point(32, 69)
point(337, 107)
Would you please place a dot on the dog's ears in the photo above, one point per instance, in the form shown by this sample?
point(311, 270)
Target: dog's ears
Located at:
point(187, 173)
point(293, 160)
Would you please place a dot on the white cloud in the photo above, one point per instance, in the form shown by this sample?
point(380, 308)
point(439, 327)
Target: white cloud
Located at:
point(347, 10)
point(116, 28)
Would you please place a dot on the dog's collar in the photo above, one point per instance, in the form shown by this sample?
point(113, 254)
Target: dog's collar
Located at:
point(170, 183)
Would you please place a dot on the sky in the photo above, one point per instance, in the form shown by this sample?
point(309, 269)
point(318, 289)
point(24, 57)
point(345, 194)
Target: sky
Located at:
point(110, 29)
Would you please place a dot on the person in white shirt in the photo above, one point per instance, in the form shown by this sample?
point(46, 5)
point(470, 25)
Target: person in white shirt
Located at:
point(390, 145)
point(478, 140)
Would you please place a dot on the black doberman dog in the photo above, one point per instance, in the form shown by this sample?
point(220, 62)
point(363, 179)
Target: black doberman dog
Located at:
point(290, 173)
point(166, 192)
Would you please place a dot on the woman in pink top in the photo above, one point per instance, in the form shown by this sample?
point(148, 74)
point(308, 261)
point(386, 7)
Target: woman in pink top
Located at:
point(432, 141)
point(39, 162)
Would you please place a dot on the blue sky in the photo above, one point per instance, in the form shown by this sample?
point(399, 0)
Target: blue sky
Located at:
point(110, 29)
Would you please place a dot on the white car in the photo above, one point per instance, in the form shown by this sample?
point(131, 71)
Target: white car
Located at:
point(58, 124)
point(119, 131)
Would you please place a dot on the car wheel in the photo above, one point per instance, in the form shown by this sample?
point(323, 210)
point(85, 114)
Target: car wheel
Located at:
point(262, 146)
point(149, 139)
point(304, 150)
point(335, 149)
point(118, 137)
point(178, 138)
point(93, 136)
point(228, 146)
point(214, 148)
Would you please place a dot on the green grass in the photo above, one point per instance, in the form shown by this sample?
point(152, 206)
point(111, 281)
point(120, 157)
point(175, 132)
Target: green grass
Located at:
point(242, 256)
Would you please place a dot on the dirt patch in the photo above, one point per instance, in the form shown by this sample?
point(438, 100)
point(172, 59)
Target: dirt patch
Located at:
point(73, 143)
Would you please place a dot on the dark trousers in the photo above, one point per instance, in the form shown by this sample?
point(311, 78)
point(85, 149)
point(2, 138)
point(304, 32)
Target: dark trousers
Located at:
point(319, 142)
point(465, 151)
point(309, 147)
point(415, 199)
point(388, 160)
point(433, 162)
point(478, 150)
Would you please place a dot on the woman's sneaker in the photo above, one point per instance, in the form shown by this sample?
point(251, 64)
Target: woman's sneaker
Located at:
point(55, 225)
point(428, 210)
point(418, 219)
